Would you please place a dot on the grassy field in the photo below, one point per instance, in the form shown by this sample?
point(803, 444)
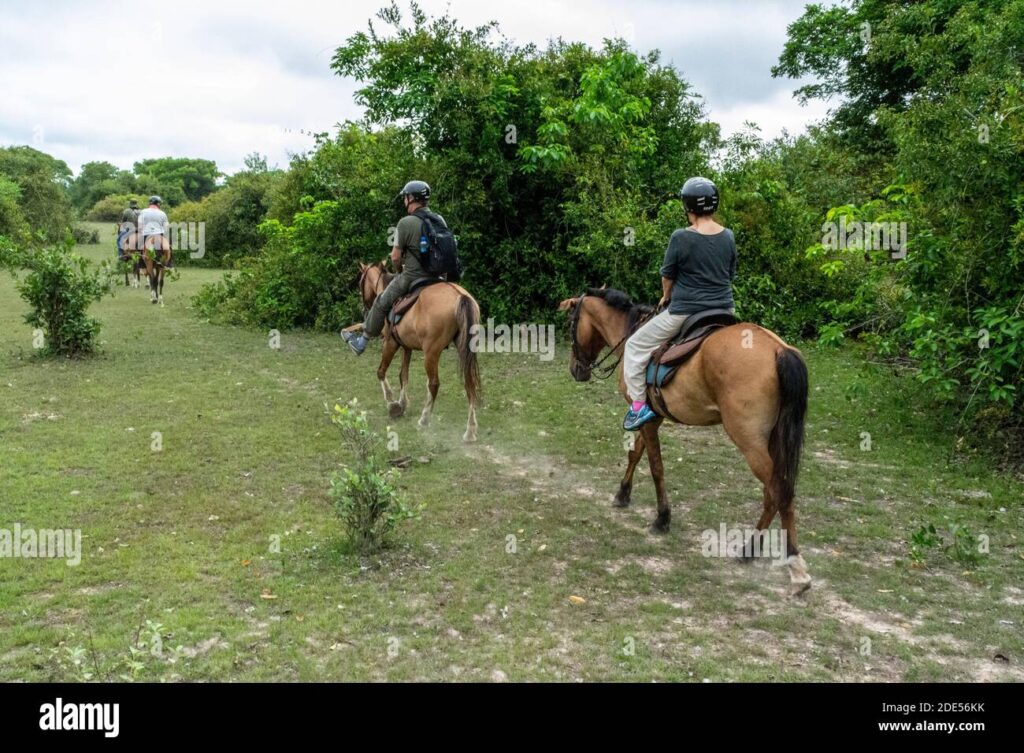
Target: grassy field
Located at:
point(178, 543)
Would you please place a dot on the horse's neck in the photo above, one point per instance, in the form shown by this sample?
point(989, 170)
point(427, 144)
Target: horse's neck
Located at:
point(613, 327)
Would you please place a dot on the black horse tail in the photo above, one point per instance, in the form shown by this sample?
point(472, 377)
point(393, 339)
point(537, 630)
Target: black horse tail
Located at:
point(787, 438)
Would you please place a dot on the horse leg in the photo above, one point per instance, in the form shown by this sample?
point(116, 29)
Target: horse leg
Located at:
point(431, 358)
point(622, 499)
point(403, 380)
point(386, 356)
point(653, 445)
point(758, 456)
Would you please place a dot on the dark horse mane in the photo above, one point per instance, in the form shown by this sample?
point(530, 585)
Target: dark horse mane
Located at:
point(636, 312)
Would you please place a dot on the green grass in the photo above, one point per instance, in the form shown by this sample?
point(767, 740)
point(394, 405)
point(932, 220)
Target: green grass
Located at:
point(182, 537)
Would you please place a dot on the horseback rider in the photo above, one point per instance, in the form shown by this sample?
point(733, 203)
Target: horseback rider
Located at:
point(154, 224)
point(696, 275)
point(128, 226)
point(410, 242)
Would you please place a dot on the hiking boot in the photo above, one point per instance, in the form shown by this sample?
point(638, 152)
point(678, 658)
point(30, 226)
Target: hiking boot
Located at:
point(635, 419)
point(356, 342)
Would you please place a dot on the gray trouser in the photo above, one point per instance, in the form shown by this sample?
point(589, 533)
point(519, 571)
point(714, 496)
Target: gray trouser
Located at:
point(641, 346)
point(382, 304)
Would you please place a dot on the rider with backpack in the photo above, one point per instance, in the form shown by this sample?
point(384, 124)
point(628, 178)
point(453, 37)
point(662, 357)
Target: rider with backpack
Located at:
point(424, 250)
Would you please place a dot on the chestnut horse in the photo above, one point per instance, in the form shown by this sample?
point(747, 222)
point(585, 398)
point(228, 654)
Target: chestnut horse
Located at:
point(154, 259)
point(744, 377)
point(444, 314)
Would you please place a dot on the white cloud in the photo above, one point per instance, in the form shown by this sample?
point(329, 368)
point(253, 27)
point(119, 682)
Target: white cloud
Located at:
point(112, 80)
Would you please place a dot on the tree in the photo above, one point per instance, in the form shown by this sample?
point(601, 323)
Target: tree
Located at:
point(42, 190)
point(189, 179)
point(96, 181)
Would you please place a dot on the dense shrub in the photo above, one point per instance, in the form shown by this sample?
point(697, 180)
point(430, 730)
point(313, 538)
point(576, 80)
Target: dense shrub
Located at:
point(59, 286)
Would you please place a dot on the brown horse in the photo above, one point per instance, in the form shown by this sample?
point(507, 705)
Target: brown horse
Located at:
point(443, 314)
point(744, 377)
point(145, 253)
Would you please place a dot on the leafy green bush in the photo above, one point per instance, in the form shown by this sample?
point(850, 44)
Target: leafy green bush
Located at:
point(109, 209)
point(231, 216)
point(365, 494)
point(59, 286)
point(84, 235)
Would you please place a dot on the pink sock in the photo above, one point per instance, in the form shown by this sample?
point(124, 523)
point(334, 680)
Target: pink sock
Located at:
point(638, 404)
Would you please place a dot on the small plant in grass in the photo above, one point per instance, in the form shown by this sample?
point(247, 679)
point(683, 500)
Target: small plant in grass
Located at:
point(59, 286)
point(923, 539)
point(365, 494)
point(964, 546)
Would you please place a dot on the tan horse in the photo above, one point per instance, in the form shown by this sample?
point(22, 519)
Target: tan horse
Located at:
point(445, 313)
point(744, 377)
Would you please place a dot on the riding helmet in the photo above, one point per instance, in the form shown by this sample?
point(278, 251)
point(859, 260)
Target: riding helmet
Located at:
point(699, 196)
point(155, 200)
point(417, 189)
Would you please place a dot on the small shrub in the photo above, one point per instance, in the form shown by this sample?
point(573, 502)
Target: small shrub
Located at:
point(59, 286)
point(84, 236)
point(366, 494)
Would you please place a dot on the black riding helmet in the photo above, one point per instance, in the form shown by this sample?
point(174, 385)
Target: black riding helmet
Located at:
point(417, 189)
point(699, 196)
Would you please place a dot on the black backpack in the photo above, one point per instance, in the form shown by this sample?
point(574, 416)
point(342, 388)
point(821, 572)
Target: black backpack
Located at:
point(442, 256)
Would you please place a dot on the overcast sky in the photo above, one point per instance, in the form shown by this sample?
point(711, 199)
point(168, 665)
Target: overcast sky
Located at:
point(122, 81)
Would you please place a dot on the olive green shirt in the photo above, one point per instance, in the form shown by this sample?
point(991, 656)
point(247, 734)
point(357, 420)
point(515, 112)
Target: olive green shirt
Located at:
point(131, 216)
point(408, 239)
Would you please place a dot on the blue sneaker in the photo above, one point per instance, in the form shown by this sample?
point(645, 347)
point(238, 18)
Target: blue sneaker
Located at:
point(356, 342)
point(635, 419)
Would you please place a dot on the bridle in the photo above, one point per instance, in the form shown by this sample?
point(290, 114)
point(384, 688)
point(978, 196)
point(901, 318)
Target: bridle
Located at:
point(597, 369)
point(378, 287)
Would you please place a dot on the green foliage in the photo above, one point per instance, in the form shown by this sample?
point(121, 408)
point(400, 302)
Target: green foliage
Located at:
point(923, 539)
point(365, 494)
point(109, 208)
point(12, 220)
point(231, 216)
point(97, 180)
point(176, 179)
point(939, 88)
point(59, 286)
point(84, 235)
point(42, 192)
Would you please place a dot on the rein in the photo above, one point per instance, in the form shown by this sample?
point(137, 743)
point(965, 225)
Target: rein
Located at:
point(597, 368)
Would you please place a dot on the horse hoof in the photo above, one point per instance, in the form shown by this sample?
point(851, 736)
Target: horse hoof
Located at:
point(469, 438)
point(423, 424)
point(621, 502)
point(659, 529)
point(396, 410)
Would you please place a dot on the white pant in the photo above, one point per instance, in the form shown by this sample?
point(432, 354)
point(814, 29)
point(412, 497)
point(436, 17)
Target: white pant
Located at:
point(641, 346)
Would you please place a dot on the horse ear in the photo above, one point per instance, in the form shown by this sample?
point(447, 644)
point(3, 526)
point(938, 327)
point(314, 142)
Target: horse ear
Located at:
point(384, 263)
point(568, 303)
point(362, 267)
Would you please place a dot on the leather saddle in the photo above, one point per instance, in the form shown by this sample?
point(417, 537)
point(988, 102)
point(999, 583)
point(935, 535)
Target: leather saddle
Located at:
point(667, 359)
point(407, 301)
